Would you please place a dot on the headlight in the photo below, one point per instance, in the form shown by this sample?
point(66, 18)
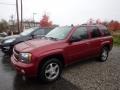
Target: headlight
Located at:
point(9, 40)
point(25, 57)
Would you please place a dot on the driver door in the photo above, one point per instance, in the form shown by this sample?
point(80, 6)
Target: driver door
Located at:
point(79, 46)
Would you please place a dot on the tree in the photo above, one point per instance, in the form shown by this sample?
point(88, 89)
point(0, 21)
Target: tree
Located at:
point(3, 26)
point(44, 22)
point(114, 25)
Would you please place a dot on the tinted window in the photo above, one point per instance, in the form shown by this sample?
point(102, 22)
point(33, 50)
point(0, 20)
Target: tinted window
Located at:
point(27, 31)
point(106, 32)
point(80, 33)
point(95, 32)
point(39, 32)
point(47, 30)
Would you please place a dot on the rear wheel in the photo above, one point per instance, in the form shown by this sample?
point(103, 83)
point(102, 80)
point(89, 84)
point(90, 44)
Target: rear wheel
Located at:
point(50, 70)
point(104, 54)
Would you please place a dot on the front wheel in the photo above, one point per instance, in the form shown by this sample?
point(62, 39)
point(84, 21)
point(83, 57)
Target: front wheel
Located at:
point(104, 54)
point(50, 70)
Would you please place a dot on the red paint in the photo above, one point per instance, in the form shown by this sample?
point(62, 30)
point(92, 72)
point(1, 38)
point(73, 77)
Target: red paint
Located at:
point(71, 52)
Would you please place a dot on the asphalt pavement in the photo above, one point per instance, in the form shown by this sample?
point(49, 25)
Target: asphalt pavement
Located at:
point(85, 75)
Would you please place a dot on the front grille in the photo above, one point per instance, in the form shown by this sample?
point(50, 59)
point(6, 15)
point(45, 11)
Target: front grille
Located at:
point(16, 54)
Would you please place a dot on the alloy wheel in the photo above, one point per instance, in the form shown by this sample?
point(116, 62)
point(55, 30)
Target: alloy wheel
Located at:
point(52, 71)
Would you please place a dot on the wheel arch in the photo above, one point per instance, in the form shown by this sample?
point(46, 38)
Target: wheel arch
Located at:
point(107, 45)
point(59, 56)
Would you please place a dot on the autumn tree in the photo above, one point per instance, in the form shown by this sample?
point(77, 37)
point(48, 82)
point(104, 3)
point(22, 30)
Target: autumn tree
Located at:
point(44, 22)
point(114, 25)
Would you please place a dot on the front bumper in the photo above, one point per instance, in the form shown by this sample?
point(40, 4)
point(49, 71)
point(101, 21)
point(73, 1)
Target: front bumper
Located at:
point(26, 69)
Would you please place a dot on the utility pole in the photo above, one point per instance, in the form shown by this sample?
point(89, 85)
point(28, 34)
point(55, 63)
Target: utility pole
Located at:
point(17, 10)
point(11, 21)
point(21, 15)
point(34, 18)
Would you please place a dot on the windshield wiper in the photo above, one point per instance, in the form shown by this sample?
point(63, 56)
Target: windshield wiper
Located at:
point(52, 38)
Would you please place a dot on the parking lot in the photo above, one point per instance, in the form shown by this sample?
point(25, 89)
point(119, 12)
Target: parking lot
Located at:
point(85, 75)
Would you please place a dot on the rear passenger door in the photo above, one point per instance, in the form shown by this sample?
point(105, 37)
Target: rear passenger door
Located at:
point(95, 40)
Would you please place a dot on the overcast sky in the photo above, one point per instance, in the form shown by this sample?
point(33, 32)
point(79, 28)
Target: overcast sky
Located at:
point(65, 12)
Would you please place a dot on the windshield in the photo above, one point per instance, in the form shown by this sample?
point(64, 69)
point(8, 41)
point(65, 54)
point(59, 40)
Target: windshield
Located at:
point(27, 31)
point(59, 32)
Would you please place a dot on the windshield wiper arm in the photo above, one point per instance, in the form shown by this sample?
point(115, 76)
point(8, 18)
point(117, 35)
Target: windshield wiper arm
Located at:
point(52, 38)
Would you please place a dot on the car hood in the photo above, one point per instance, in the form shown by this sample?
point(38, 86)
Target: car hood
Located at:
point(33, 44)
point(10, 37)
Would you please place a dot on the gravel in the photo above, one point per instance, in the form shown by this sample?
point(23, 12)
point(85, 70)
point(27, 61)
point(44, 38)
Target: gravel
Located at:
point(95, 75)
point(86, 75)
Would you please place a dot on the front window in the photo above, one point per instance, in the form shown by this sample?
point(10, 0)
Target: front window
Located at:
point(59, 32)
point(80, 33)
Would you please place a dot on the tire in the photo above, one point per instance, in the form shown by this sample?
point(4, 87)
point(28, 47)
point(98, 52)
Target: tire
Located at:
point(104, 54)
point(50, 70)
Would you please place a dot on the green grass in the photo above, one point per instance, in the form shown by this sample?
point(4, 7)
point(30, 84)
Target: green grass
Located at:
point(116, 40)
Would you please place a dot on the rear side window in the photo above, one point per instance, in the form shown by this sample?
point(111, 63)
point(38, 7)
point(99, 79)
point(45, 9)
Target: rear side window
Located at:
point(81, 33)
point(105, 32)
point(95, 32)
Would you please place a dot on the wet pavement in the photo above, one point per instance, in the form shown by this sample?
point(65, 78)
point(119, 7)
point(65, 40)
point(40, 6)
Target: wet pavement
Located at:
point(9, 80)
point(85, 75)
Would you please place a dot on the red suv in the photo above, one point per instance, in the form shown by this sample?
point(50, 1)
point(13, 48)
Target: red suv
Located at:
point(62, 46)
